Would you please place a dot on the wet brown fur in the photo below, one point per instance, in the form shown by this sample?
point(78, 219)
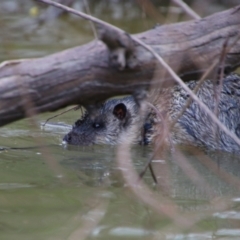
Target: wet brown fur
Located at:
point(194, 127)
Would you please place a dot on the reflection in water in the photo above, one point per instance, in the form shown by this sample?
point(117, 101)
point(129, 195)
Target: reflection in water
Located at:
point(229, 215)
point(233, 233)
point(219, 171)
point(96, 164)
point(91, 173)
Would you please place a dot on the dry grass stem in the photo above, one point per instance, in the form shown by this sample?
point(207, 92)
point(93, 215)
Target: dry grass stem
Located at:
point(142, 192)
point(195, 90)
point(157, 202)
point(91, 23)
point(61, 113)
point(214, 167)
point(150, 10)
point(219, 80)
point(88, 221)
point(192, 173)
point(150, 166)
point(30, 111)
point(187, 9)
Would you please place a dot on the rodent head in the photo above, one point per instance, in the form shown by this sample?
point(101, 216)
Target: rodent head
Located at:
point(106, 124)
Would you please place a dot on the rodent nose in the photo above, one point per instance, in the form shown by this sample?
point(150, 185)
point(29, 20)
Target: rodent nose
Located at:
point(67, 138)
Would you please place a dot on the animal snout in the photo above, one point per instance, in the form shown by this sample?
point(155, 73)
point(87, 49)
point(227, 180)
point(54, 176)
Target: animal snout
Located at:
point(67, 138)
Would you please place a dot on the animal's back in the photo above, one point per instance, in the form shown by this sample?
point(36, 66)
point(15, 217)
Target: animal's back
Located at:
point(118, 119)
point(196, 127)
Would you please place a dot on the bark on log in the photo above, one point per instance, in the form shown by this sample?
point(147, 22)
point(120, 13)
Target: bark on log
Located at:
point(83, 75)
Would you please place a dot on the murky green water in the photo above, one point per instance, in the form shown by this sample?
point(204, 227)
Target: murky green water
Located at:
point(48, 191)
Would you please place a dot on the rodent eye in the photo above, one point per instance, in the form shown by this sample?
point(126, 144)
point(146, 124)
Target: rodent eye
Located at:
point(96, 125)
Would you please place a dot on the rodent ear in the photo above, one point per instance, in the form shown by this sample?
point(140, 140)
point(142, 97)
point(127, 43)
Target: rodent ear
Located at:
point(120, 111)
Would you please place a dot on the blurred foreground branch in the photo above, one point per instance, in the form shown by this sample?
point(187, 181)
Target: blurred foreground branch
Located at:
point(92, 72)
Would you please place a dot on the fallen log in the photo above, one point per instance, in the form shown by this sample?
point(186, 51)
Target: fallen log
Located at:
point(84, 75)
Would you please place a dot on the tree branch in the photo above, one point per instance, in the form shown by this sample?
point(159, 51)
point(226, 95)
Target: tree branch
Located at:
point(84, 75)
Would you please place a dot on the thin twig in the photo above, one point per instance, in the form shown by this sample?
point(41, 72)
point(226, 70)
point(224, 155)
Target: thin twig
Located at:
point(27, 148)
point(152, 173)
point(222, 173)
point(89, 221)
point(225, 50)
point(149, 162)
point(168, 208)
point(73, 108)
point(187, 9)
point(219, 77)
point(193, 174)
point(91, 23)
point(195, 90)
point(155, 110)
point(148, 165)
point(158, 202)
point(189, 91)
point(81, 14)
point(150, 10)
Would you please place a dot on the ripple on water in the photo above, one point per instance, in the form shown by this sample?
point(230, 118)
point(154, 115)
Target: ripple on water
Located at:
point(228, 232)
point(227, 215)
point(5, 186)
